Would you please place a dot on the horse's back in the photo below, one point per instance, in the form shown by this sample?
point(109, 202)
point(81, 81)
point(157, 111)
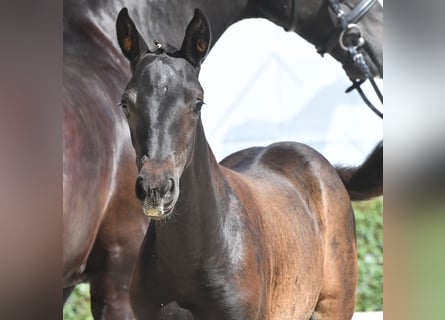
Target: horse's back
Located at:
point(288, 162)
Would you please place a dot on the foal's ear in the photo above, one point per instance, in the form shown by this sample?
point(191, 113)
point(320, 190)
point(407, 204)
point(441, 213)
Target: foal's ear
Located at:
point(130, 41)
point(197, 39)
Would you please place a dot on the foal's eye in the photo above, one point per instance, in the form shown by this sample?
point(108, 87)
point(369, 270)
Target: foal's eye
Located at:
point(197, 107)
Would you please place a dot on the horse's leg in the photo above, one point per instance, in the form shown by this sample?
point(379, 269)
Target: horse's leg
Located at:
point(112, 260)
point(337, 296)
point(67, 292)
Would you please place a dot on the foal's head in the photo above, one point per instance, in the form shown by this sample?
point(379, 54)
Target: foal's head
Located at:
point(162, 103)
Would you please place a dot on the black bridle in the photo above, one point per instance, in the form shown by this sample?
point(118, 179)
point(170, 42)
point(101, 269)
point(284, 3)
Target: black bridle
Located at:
point(345, 23)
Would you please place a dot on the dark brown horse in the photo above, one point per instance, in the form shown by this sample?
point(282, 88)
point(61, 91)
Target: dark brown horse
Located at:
point(103, 227)
point(266, 234)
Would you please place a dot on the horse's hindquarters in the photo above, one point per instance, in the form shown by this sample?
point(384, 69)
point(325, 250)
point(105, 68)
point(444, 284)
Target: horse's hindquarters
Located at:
point(305, 215)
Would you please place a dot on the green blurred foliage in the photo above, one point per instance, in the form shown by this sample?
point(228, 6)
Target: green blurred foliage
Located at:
point(369, 229)
point(77, 306)
point(420, 261)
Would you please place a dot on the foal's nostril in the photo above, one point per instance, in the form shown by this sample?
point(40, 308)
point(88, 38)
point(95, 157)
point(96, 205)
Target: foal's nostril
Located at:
point(141, 193)
point(168, 187)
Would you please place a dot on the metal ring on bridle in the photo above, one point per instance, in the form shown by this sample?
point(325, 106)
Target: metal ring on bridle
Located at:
point(344, 24)
point(360, 41)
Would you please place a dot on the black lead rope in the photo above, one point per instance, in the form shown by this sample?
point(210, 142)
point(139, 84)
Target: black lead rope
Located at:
point(356, 85)
point(361, 63)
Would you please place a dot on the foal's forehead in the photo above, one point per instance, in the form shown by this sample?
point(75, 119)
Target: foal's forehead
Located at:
point(162, 71)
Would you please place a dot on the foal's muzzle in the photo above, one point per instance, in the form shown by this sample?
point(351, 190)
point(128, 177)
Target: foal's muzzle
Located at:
point(157, 193)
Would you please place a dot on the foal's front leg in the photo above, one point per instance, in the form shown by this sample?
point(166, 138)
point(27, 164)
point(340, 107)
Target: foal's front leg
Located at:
point(173, 311)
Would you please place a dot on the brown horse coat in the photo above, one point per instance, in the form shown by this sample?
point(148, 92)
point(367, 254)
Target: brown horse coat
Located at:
point(266, 234)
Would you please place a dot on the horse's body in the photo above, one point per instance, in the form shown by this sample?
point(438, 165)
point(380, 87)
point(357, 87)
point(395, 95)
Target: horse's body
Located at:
point(266, 234)
point(103, 227)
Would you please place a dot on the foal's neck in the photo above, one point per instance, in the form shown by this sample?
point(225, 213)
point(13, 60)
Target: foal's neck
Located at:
point(195, 230)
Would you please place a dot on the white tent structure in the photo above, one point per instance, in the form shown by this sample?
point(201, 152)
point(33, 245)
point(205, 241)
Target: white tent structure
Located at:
point(263, 85)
